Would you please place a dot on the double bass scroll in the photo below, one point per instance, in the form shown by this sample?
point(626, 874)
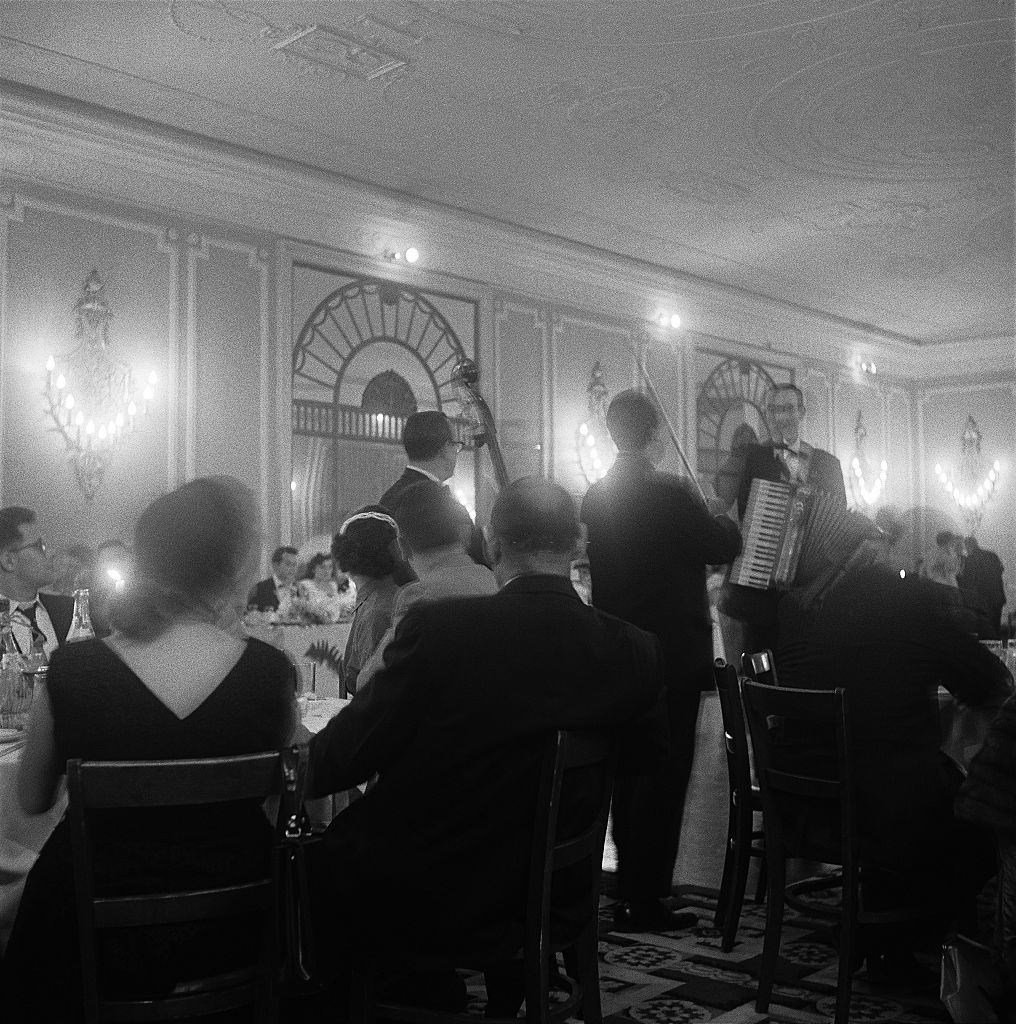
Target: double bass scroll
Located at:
point(475, 409)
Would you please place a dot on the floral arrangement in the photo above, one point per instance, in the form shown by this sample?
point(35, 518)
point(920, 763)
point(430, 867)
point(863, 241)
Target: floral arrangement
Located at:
point(309, 606)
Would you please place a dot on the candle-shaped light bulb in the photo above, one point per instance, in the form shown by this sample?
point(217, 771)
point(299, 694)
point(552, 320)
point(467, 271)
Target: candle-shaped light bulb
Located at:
point(102, 432)
point(50, 364)
point(119, 419)
point(147, 394)
point(153, 379)
point(132, 409)
point(69, 401)
point(61, 382)
point(90, 427)
point(79, 419)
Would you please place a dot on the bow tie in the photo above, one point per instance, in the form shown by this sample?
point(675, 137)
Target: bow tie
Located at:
point(786, 448)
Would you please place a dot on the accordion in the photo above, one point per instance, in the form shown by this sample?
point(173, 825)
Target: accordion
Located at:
point(790, 534)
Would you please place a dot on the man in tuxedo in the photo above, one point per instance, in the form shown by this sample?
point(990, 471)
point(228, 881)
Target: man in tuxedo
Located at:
point(277, 591)
point(650, 538)
point(26, 564)
point(431, 454)
point(786, 458)
point(435, 856)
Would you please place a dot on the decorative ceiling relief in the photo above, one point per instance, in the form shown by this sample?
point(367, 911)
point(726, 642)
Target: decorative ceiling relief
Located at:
point(870, 217)
point(611, 98)
point(368, 48)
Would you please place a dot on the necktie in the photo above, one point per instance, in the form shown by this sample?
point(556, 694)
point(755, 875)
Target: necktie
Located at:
point(29, 612)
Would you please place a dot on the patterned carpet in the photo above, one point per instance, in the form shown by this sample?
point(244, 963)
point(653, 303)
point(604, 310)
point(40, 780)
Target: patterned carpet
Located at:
point(680, 977)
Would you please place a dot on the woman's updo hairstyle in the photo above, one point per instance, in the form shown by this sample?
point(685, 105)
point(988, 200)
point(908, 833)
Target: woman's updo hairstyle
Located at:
point(193, 550)
point(368, 543)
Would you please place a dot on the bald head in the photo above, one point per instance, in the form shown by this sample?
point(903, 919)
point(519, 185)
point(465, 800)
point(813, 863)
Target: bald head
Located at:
point(533, 528)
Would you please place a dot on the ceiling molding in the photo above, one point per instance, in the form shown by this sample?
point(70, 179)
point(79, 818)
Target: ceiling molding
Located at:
point(113, 157)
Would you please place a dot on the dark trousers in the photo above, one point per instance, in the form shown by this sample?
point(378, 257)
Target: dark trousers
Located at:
point(647, 809)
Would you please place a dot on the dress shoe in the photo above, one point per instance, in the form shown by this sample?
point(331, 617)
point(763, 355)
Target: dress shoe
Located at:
point(651, 916)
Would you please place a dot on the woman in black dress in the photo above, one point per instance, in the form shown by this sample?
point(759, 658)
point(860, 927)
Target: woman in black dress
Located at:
point(176, 679)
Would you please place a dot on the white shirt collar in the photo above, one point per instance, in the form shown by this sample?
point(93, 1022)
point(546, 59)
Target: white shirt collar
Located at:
point(426, 473)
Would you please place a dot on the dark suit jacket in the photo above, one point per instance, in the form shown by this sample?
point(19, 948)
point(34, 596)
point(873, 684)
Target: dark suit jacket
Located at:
point(760, 462)
point(263, 596)
point(650, 540)
point(60, 609)
point(455, 723)
point(390, 499)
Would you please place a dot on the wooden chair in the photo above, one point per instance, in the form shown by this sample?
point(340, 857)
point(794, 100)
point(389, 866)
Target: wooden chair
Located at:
point(760, 666)
point(587, 758)
point(100, 786)
point(824, 789)
point(743, 840)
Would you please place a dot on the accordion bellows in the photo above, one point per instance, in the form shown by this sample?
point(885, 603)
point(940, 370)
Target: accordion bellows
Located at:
point(791, 534)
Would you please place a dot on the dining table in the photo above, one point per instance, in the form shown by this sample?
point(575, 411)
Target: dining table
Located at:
point(23, 835)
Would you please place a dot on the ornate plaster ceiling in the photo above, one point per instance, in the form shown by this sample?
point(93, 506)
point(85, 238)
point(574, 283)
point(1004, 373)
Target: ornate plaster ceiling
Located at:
point(852, 156)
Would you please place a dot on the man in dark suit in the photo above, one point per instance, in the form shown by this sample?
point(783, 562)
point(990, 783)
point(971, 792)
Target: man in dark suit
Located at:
point(431, 454)
point(788, 458)
point(650, 539)
point(435, 856)
point(26, 564)
point(267, 595)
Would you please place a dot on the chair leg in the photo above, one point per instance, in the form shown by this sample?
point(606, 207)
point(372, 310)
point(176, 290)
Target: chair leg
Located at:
point(720, 919)
point(760, 885)
point(774, 926)
point(742, 859)
point(582, 963)
point(848, 933)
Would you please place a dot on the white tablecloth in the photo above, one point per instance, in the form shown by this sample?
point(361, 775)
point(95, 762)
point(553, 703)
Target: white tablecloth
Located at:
point(315, 650)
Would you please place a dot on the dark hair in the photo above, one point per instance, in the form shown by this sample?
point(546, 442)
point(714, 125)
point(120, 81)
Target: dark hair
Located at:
point(285, 549)
point(534, 514)
point(11, 521)
point(631, 419)
point(193, 547)
point(790, 387)
point(425, 434)
point(429, 517)
point(315, 561)
point(369, 547)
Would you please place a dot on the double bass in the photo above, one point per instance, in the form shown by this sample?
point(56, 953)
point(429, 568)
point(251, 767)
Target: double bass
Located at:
point(475, 409)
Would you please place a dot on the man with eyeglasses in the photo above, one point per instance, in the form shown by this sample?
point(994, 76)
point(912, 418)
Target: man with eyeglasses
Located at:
point(788, 458)
point(26, 565)
point(431, 454)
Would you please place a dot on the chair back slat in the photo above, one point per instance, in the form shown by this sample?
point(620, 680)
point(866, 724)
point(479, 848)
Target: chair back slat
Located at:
point(735, 735)
point(760, 667)
point(176, 907)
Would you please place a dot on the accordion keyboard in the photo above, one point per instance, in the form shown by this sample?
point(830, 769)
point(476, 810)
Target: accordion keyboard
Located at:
point(763, 529)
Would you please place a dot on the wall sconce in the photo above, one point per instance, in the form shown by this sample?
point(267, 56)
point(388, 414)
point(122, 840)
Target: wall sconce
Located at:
point(868, 367)
point(668, 319)
point(976, 484)
point(410, 255)
point(863, 493)
point(593, 445)
point(91, 398)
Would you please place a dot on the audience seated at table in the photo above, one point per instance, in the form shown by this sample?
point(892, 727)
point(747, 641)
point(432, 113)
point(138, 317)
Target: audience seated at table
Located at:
point(434, 858)
point(277, 591)
point(366, 549)
point(435, 540)
point(174, 680)
point(884, 634)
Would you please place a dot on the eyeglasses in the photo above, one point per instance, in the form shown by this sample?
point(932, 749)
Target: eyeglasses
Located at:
point(37, 543)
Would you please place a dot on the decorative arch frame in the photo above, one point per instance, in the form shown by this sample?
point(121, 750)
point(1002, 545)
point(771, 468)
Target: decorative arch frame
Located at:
point(733, 384)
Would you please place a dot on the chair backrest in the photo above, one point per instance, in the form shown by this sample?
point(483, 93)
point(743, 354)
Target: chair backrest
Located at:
point(760, 666)
point(573, 802)
point(100, 786)
point(735, 736)
point(801, 740)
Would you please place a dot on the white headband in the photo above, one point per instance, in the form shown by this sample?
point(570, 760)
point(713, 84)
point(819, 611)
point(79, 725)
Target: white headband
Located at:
point(379, 516)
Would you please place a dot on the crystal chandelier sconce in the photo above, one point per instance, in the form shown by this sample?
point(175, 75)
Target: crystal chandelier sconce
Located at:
point(91, 398)
point(974, 486)
point(593, 446)
point(865, 494)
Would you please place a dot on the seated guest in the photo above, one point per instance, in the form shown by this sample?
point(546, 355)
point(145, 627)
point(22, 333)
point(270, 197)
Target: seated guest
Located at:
point(276, 592)
point(431, 454)
point(174, 680)
point(366, 548)
point(455, 723)
point(73, 568)
point(943, 562)
point(435, 539)
point(981, 582)
point(890, 642)
point(26, 565)
point(320, 591)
